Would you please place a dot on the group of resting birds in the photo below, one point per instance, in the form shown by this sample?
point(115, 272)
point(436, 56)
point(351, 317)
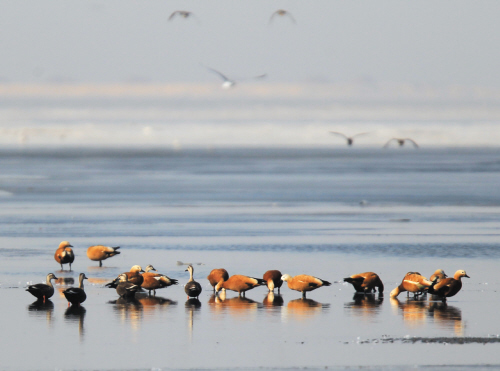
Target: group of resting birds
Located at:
point(439, 284)
point(137, 279)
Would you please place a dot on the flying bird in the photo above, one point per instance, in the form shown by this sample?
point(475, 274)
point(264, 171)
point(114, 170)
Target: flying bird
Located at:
point(181, 13)
point(229, 83)
point(282, 13)
point(349, 140)
point(401, 142)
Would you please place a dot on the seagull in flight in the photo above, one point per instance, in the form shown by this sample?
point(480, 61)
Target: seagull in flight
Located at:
point(401, 142)
point(282, 13)
point(181, 13)
point(229, 83)
point(349, 140)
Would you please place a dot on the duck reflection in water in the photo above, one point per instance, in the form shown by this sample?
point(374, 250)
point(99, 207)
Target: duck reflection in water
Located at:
point(305, 308)
point(153, 304)
point(193, 306)
point(128, 310)
point(237, 306)
point(42, 309)
point(65, 281)
point(414, 311)
point(272, 300)
point(76, 314)
point(447, 316)
point(365, 305)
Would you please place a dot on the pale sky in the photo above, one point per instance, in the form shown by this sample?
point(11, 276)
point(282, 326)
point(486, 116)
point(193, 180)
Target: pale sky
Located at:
point(437, 42)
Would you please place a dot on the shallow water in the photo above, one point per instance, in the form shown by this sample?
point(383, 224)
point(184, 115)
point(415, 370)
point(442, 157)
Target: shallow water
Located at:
point(320, 212)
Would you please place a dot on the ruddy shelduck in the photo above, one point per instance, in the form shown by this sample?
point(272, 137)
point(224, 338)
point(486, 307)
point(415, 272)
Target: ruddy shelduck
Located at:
point(43, 291)
point(366, 282)
point(76, 295)
point(239, 283)
point(64, 254)
point(135, 276)
point(217, 275)
point(100, 253)
point(192, 288)
point(438, 275)
point(273, 280)
point(304, 283)
point(448, 287)
point(155, 281)
point(412, 282)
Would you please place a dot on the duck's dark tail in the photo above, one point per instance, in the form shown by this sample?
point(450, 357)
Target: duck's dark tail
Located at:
point(326, 283)
point(358, 280)
point(260, 281)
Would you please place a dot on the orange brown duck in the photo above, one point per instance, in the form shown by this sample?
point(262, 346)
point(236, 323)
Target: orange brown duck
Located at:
point(100, 253)
point(304, 283)
point(448, 287)
point(412, 282)
point(64, 254)
point(273, 280)
point(438, 275)
point(239, 283)
point(155, 281)
point(216, 276)
point(366, 282)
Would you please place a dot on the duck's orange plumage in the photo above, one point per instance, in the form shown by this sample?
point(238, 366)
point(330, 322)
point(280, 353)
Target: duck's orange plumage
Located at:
point(412, 282)
point(134, 275)
point(64, 254)
point(217, 275)
point(438, 275)
point(448, 287)
point(273, 280)
point(155, 281)
point(100, 253)
point(366, 282)
point(240, 284)
point(304, 283)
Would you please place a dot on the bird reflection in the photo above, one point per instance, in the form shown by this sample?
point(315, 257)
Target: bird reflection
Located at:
point(304, 308)
point(365, 305)
point(193, 306)
point(76, 313)
point(447, 316)
point(65, 281)
point(237, 306)
point(129, 310)
point(153, 304)
point(42, 309)
point(414, 311)
point(272, 300)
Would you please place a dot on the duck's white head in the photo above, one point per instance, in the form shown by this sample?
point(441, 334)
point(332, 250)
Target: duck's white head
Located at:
point(286, 277)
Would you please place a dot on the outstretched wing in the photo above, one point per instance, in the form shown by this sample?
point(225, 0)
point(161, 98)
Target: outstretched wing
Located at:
point(389, 142)
point(339, 134)
point(282, 13)
point(224, 77)
point(359, 134)
point(412, 142)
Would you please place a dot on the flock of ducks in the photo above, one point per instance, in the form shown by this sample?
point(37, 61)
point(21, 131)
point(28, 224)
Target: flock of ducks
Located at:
point(127, 284)
point(399, 141)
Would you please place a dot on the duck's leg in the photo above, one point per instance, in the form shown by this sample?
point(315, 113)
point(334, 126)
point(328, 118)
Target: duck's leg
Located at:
point(100, 263)
point(303, 294)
